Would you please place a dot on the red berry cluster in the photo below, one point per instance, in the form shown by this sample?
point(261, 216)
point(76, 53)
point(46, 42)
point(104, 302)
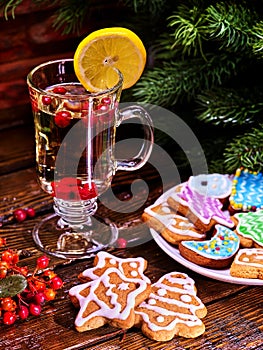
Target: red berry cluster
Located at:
point(21, 214)
point(41, 286)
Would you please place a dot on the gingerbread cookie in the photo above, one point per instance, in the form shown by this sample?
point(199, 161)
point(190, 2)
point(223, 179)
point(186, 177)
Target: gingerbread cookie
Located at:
point(247, 190)
point(129, 267)
point(173, 227)
point(248, 263)
point(203, 211)
point(250, 228)
point(218, 252)
point(171, 309)
point(109, 299)
point(211, 185)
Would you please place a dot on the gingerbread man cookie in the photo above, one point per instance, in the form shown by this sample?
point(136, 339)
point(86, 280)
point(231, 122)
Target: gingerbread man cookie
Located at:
point(171, 309)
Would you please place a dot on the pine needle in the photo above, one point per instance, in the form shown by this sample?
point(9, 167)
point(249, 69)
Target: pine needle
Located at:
point(246, 150)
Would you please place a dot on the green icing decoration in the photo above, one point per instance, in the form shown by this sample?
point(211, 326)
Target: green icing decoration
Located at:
point(250, 225)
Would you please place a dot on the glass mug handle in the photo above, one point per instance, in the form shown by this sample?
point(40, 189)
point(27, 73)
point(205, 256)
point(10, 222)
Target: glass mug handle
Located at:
point(144, 153)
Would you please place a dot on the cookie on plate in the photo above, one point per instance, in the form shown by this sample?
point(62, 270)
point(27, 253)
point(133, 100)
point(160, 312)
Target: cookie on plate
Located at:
point(173, 227)
point(203, 211)
point(109, 299)
point(216, 253)
point(129, 267)
point(250, 228)
point(211, 185)
point(172, 309)
point(248, 263)
point(247, 191)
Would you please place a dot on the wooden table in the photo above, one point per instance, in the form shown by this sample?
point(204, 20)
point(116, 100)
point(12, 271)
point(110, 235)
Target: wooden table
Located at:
point(234, 319)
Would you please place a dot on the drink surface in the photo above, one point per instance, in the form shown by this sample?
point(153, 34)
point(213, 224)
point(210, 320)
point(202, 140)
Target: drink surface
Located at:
point(75, 137)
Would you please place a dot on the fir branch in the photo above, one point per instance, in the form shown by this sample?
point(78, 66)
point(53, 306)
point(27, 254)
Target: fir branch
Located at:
point(256, 42)
point(180, 80)
point(245, 151)
point(70, 16)
point(222, 106)
point(9, 6)
point(229, 23)
point(189, 29)
point(154, 7)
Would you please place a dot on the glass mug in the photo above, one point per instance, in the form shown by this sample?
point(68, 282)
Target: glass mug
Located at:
point(75, 141)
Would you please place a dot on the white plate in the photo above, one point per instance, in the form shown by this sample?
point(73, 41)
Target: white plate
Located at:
point(220, 275)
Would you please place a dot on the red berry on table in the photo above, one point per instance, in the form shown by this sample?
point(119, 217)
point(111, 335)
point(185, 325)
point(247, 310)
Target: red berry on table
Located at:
point(8, 304)
point(50, 294)
point(42, 262)
point(23, 312)
point(7, 256)
point(56, 283)
point(121, 243)
point(30, 212)
point(48, 274)
point(40, 286)
point(2, 241)
point(46, 100)
point(9, 318)
point(3, 272)
point(20, 215)
point(60, 90)
point(34, 309)
point(39, 298)
point(62, 119)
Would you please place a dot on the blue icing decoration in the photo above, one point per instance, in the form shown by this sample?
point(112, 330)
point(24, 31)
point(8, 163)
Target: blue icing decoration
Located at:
point(211, 185)
point(247, 190)
point(224, 244)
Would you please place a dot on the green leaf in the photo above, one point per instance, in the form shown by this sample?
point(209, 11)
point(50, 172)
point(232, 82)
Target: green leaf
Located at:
point(12, 285)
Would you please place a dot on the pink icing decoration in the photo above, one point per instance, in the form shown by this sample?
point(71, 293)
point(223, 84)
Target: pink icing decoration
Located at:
point(205, 207)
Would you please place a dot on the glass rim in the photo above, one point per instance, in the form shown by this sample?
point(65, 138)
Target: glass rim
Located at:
point(79, 96)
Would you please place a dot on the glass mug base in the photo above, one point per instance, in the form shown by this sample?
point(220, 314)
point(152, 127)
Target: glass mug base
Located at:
point(55, 237)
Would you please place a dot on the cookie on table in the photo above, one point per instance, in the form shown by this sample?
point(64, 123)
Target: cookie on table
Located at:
point(249, 228)
point(216, 253)
point(173, 227)
point(172, 309)
point(203, 211)
point(248, 263)
point(109, 299)
point(247, 191)
point(129, 267)
point(211, 185)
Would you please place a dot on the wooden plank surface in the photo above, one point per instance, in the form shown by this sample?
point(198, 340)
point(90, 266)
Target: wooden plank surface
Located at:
point(234, 319)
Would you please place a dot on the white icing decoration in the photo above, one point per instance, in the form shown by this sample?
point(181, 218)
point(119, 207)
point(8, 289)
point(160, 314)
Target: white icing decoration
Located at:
point(171, 219)
point(151, 301)
point(160, 319)
point(186, 298)
point(254, 254)
point(118, 263)
point(123, 286)
point(186, 291)
point(134, 273)
point(113, 262)
point(116, 310)
point(133, 265)
point(161, 292)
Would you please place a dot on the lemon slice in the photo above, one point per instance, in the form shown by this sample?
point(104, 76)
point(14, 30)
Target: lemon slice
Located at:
point(104, 49)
